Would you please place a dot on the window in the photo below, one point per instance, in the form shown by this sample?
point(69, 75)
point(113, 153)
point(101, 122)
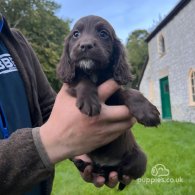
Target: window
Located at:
point(192, 86)
point(161, 45)
point(151, 91)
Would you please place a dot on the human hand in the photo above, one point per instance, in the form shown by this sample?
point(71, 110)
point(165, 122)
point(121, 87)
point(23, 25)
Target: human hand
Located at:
point(69, 133)
point(98, 180)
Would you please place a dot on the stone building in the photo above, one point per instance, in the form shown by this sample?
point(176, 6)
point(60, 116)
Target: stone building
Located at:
point(168, 76)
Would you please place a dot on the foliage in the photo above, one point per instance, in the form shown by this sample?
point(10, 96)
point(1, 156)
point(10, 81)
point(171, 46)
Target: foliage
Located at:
point(137, 51)
point(171, 144)
point(37, 21)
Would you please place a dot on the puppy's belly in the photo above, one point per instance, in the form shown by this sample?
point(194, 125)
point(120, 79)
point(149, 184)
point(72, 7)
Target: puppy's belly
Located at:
point(113, 153)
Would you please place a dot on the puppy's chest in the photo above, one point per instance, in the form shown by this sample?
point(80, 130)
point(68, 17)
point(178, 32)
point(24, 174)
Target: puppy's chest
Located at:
point(96, 77)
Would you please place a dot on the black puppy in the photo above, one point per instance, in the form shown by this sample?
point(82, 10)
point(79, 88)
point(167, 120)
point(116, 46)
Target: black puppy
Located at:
point(92, 55)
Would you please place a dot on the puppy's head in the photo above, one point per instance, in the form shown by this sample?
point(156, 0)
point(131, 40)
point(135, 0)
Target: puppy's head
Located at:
point(92, 45)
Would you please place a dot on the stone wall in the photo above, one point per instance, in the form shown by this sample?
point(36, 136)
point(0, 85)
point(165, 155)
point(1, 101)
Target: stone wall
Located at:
point(176, 62)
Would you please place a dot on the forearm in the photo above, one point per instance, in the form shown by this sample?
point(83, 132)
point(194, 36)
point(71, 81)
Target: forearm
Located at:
point(20, 163)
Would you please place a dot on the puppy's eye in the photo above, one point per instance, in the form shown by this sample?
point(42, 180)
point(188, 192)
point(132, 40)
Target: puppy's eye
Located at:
point(103, 34)
point(76, 34)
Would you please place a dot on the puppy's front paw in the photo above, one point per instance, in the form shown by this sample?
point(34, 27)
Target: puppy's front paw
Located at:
point(144, 111)
point(147, 114)
point(89, 105)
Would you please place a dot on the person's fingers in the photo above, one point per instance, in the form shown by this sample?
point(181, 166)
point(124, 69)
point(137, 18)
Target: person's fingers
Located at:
point(116, 113)
point(118, 128)
point(87, 174)
point(126, 179)
point(112, 180)
point(133, 121)
point(90, 177)
point(106, 89)
point(98, 181)
point(83, 157)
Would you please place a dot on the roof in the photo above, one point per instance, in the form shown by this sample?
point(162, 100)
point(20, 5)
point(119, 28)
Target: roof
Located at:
point(163, 23)
point(168, 18)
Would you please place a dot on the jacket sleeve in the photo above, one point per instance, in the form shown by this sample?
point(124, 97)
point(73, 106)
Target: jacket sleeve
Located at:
point(23, 168)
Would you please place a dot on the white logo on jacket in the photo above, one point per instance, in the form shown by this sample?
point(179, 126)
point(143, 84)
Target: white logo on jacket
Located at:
point(7, 64)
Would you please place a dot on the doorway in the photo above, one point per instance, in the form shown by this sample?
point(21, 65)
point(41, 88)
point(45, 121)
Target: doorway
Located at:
point(165, 98)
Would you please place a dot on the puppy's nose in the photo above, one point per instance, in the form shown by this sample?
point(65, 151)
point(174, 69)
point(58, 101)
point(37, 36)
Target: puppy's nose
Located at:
point(86, 46)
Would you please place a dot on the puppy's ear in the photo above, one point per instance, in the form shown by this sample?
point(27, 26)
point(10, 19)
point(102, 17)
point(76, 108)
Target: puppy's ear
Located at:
point(121, 69)
point(66, 70)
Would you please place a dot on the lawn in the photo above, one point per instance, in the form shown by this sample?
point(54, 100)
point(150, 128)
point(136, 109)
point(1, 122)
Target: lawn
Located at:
point(172, 144)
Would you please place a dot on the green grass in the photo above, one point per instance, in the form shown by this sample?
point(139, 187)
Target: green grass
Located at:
point(171, 144)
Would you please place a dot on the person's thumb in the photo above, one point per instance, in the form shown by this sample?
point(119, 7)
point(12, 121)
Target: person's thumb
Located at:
point(106, 89)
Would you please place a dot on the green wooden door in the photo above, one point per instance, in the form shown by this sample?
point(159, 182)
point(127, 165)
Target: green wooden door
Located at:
point(165, 98)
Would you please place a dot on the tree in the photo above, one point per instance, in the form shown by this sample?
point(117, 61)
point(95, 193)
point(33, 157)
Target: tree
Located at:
point(37, 21)
point(137, 51)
